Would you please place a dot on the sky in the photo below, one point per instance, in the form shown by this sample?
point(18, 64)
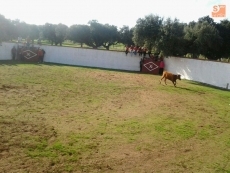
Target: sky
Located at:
point(118, 13)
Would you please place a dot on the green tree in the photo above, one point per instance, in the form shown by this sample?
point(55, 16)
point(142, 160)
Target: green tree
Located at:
point(49, 32)
point(207, 19)
point(126, 35)
point(224, 31)
point(12, 32)
point(60, 33)
point(111, 36)
point(79, 34)
point(209, 40)
point(204, 38)
point(191, 44)
point(23, 29)
point(5, 29)
point(148, 31)
point(40, 31)
point(33, 32)
point(171, 40)
point(97, 34)
point(102, 35)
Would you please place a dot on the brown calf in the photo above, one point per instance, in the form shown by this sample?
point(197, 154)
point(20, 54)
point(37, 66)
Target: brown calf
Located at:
point(170, 76)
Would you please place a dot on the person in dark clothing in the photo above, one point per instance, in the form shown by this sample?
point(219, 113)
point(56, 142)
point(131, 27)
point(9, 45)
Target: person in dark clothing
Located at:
point(162, 65)
point(144, 51)
point(13, 52)
point(141, 63)
point(43, 54)
point(149, 53)
point(126, 50)
point(140, 51)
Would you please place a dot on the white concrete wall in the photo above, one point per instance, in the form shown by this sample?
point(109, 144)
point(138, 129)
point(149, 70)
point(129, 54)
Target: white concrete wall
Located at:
point(91, 58)
point(5, 51)
point(209, 72)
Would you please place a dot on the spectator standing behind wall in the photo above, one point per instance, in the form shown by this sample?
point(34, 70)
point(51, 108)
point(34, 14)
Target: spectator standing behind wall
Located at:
point(40, 55)
point(161, 66)
point(140, 51)
point(131, 50)
point(43, 54)
point(39, 42)
point(13, 52)
point(126, 50)
point(28, 41)
point(141, 64)
point(135, 50)
point(19, 39)
point(144, 51)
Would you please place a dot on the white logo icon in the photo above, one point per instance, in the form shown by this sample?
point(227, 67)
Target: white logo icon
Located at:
point(29, 54)
point(150, 66)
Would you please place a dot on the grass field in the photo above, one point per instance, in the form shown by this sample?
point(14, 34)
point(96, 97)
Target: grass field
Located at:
point(56, 118)
point(68, 43)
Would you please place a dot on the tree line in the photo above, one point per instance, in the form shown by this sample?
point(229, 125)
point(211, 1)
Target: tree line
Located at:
point(166, 36)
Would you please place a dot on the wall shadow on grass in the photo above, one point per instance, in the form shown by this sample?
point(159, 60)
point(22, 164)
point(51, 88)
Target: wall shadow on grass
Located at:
point(9, 62)
point(17, 62)
point(100, 68)
point(208, 85)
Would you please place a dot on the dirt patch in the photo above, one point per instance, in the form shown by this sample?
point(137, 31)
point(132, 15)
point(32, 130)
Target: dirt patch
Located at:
point(9, 87)
point(15, 139)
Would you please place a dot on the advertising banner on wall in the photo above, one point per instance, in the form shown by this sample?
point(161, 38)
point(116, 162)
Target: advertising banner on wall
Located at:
point(150, 66)
point(30, 54)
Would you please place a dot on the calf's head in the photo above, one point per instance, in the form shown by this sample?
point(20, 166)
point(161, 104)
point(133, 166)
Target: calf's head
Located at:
point(178, 77)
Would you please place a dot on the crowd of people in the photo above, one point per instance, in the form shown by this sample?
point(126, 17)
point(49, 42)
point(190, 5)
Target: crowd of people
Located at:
point(18, 53)
point(142, 51)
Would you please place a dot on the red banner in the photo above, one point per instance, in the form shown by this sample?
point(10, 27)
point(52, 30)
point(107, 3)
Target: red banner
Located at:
point(28, 54)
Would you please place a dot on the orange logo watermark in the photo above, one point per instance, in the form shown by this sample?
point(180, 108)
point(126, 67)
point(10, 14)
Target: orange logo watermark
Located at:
point(219, 11)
